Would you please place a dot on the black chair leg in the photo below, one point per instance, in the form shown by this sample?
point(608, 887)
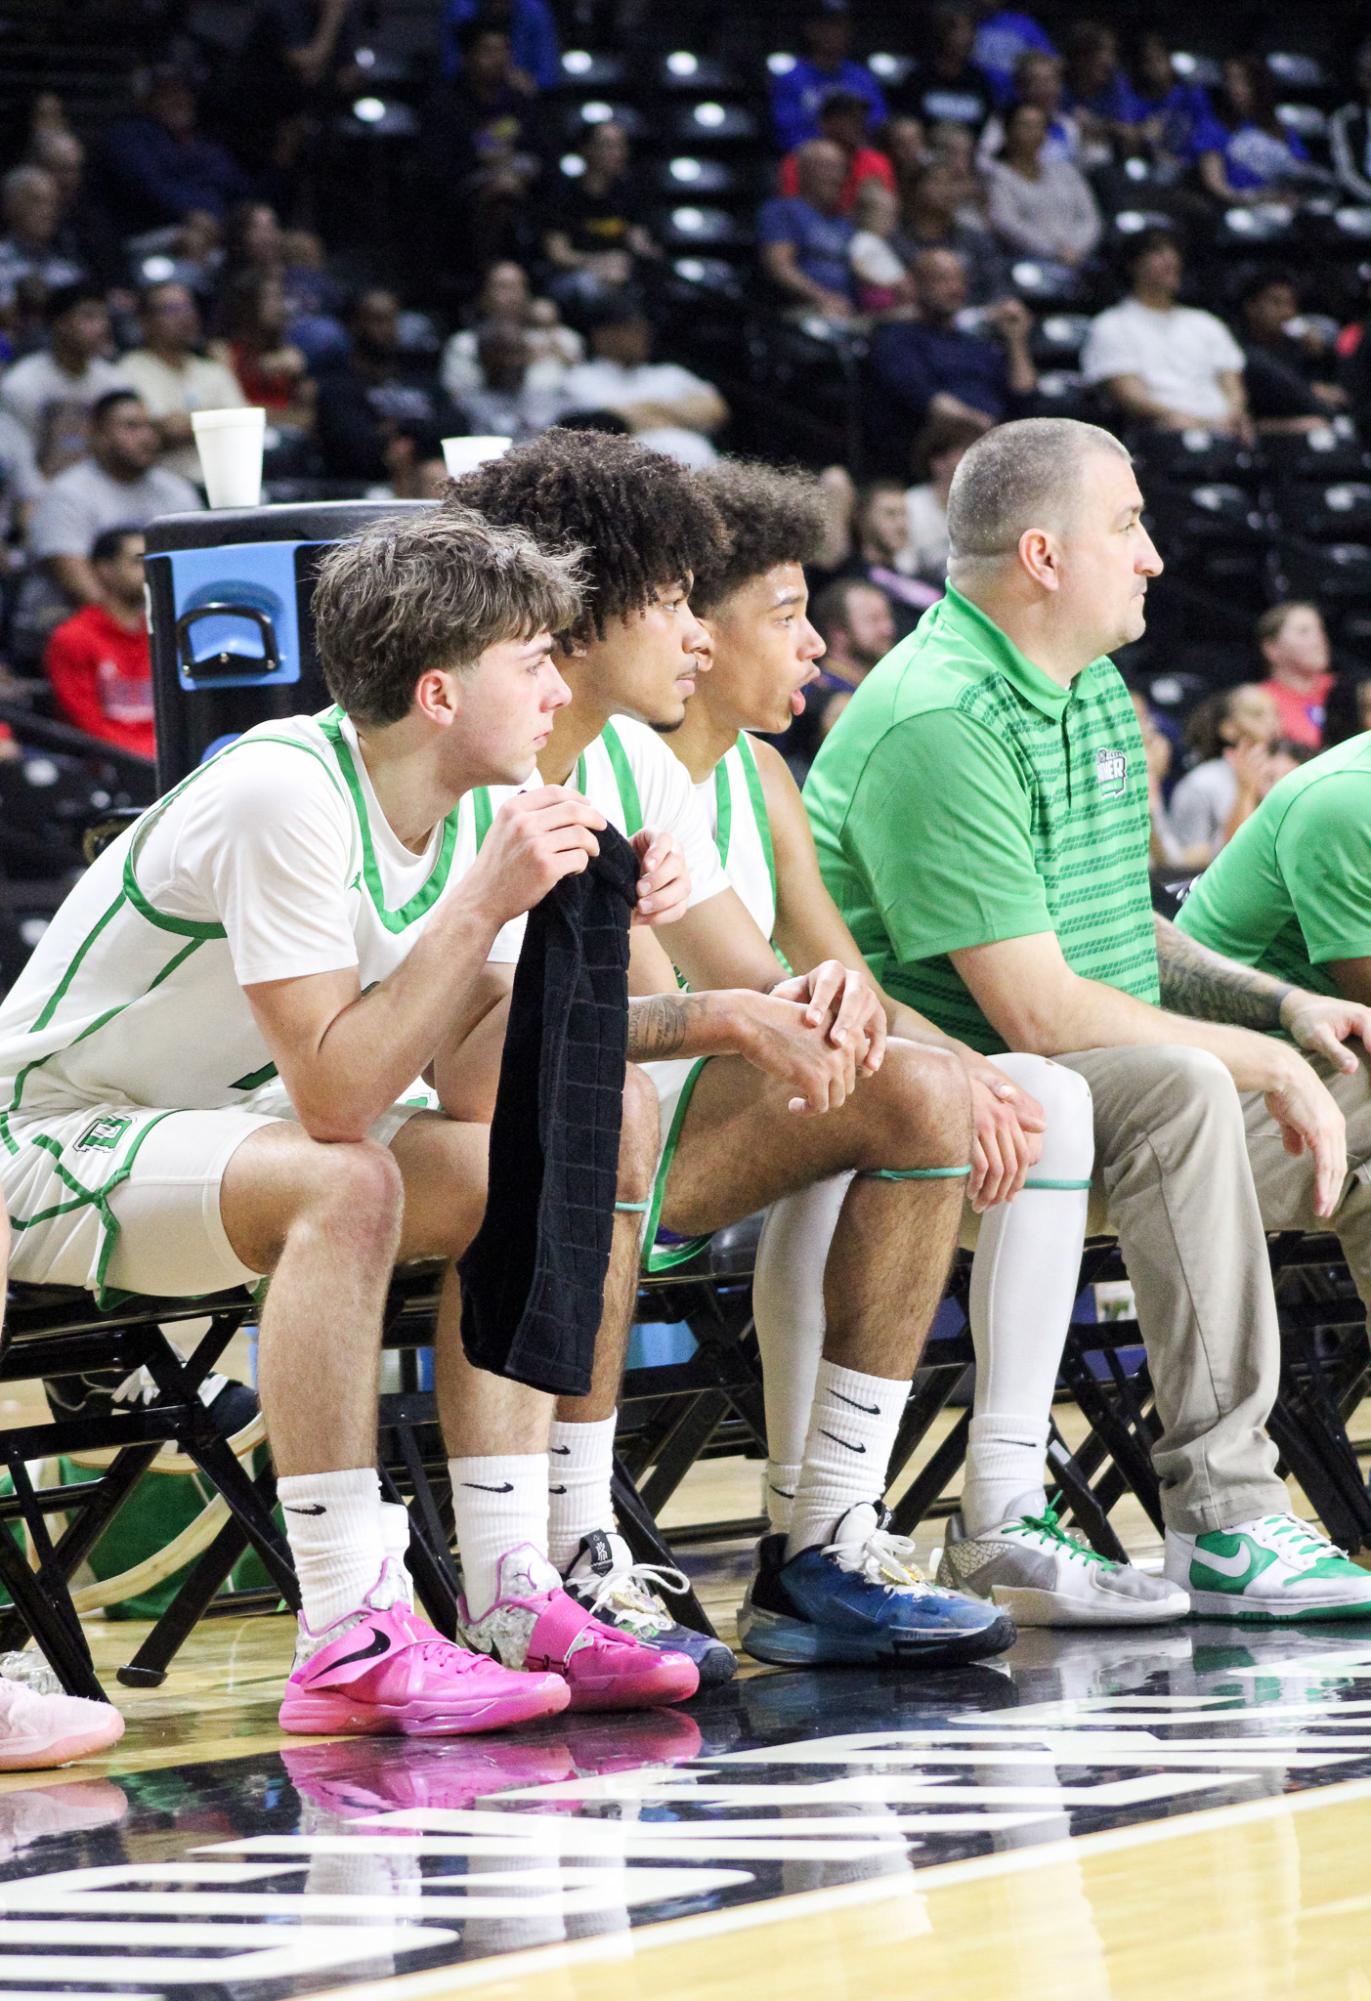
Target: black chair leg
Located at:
point(42, 1595)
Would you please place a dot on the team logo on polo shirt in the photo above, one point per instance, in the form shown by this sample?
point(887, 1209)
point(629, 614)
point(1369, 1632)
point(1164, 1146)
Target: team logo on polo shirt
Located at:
point(1111, 773)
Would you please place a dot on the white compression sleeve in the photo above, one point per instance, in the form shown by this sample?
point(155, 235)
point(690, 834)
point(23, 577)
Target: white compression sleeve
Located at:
point(788, 1306)
point(1023, 1284)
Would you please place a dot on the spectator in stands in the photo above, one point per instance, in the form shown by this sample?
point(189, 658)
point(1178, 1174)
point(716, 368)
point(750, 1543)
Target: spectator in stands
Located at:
point(905, 147)
point(1160, 363)
point(271, 372)
point(1004, 38)
point(32, 246)
point(881, 530)
point(599, 240)
point(803, 239)
point(483, 150)
point(415, 468)
point(97, 661)
point(827, 64)
point(1040, 207)
point(665, 406)
point(379, 386)
point(255, 241)
point(510, 402)
point(50, 392)
point(931, 219)
point(857, 625)
point(158, 167)
point(173, 378)
point(954, 146)
point(532, 30)
point(929, 367)
point(505, 294)
point(1258, 158)
point(938, 451)
point(120, 485)
point(1038, 80)
point(1176, 120)
point(1232, 736)
point(1289, 376)
point(21, 483)
point(843, 121)
point(295, 64)
point(1349, 132)
point(884, 282)
point(1098, 94)
point(1294, 645)
point(1347, 711)
point(947, 87)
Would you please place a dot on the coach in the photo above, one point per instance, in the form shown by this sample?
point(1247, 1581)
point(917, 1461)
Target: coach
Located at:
point(981, 816)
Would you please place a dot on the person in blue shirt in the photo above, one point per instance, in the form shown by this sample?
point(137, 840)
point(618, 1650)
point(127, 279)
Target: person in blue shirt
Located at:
point(1178, 122)
point(1098, 93)
point(826, 65)
point(1003, 38)
point(158, 168)
point(803, 239)
point(533, 40)
point(931, 367)
point(1256, 158)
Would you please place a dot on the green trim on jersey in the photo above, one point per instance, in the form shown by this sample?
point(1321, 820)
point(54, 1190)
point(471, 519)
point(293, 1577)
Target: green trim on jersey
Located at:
point(54, 1000)
point(723, 810)
point(665, 1257)
point(423, 899)
point(629, 797)
point(97, 1198)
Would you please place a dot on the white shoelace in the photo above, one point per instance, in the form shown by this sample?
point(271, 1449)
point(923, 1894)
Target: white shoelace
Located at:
point(629, 1590)
point(1302, 1545)
point(884, 1559)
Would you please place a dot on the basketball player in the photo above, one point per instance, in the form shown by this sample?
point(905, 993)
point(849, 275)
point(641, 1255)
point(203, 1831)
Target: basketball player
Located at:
point(980, 812)
point(208, 1070)
point(1030, 1174)
point(852, 1592)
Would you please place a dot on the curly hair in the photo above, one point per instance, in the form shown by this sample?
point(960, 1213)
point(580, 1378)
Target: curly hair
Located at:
point(773, 515)
point(641, 521)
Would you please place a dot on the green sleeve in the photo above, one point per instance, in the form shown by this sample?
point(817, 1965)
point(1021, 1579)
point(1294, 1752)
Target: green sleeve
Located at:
point(940, 827)
point(1323, 851)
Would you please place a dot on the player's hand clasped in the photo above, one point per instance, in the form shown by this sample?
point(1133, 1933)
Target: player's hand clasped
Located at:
point(778, 1035)
point(535, 840)
point(843, 1004)
point(663, 879)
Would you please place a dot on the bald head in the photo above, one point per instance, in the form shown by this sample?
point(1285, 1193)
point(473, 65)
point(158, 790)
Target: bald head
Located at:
point(1016, 477)
point(821, 169)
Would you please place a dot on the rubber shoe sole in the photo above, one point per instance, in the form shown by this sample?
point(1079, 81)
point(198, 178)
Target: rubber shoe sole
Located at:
point(1220, 1605)
point(321, 1713)
point(1028, 1607)
point(786, 1642)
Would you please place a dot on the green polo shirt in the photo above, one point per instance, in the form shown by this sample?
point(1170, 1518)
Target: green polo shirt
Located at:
point(1292, 889)
point(964, 797)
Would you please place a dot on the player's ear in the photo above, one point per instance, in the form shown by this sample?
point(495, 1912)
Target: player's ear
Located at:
point(438, 696)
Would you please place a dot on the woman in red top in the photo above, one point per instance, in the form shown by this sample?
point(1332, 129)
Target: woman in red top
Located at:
point(270, 372)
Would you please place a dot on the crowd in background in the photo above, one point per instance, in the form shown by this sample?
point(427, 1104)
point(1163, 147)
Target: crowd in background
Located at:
point(178, 257)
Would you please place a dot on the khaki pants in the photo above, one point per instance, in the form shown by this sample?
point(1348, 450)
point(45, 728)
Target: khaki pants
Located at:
point(1175, 1183)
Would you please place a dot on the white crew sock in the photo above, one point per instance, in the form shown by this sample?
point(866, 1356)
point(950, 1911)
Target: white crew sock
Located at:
point(580, 1469)
point(1023, 1285)
point(333, 1525)
point(788, 1307)
point(395, 1540)
point(847, 1453)
point(498, 1503)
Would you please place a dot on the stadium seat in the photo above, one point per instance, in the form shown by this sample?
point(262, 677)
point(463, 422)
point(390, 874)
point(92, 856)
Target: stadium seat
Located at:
point(686, 177)
point(712, 122)
point(586, 70)
point(1331, 453)
point(685, 73)
point(580, 116)
point(712, 231)
point(1337, 513)
point(1327, 573)
point(1194, 457)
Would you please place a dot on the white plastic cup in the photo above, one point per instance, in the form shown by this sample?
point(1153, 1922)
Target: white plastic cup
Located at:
point(465, 454)
point(230, 444)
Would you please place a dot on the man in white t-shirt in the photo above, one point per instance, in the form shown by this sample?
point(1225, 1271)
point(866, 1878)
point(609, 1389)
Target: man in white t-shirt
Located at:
point(49, 391)
point(664, 405)
point(209, 1072)
point(172, 378)
point(1162, 364)
point(732, 1138)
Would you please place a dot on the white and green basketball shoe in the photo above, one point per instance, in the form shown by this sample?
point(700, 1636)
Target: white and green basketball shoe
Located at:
point(1276, 1568)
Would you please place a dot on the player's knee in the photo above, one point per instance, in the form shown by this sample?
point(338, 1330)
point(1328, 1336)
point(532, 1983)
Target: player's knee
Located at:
point(1068, 1144)
point(639, 1138)
point(923, 1108)
point(358, 1184)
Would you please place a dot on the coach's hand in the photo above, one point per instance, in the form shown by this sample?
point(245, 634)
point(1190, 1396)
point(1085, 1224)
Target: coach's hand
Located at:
point(844, 1004)
point(1324, 1027)
point(777, 1036)
point(1007, 1126)
point(535, 839)
point(663, 879)
point(1308, 1116)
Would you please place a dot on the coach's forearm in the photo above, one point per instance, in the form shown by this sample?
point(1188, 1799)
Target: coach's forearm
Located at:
point(1086, 1014)
point(1208, 987)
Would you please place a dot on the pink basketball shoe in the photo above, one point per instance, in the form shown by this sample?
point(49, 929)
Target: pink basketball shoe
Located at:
point(41, 1727)
point(389, 1673)
point(536, 1625)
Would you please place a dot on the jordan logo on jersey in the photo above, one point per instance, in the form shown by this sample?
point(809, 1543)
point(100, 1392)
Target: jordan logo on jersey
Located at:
point(105, 1134)
point(1111, 773)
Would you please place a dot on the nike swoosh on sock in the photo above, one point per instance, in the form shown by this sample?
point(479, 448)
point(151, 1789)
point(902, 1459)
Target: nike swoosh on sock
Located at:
point(314, 1508)
point(871, 1409)
point(556, 1490)
point(478, 1487)
point(846, 1443)
point(562, 1451)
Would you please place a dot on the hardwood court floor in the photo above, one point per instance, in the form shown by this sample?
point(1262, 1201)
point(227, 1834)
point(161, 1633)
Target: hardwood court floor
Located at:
point(1174, 1815)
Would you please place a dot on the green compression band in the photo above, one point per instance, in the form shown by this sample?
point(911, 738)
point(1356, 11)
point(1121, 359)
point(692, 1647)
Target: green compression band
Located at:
point(915, 1173)
point(632, 1208)
point(1056, 1187)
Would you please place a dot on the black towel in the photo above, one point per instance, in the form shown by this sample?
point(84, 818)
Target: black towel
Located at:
point(533, 1280)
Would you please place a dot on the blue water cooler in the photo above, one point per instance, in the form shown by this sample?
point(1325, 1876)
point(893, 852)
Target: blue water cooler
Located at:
point(232, 630)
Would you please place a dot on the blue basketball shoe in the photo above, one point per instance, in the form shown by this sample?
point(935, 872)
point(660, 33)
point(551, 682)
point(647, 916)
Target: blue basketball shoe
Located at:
point(861, 1599)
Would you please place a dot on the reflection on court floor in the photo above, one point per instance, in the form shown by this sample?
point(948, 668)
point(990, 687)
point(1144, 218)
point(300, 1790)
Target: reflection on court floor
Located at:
point(328, 1864)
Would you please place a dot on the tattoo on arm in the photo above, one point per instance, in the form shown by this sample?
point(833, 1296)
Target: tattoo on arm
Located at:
point(1208, 987)
point(659, 1024)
